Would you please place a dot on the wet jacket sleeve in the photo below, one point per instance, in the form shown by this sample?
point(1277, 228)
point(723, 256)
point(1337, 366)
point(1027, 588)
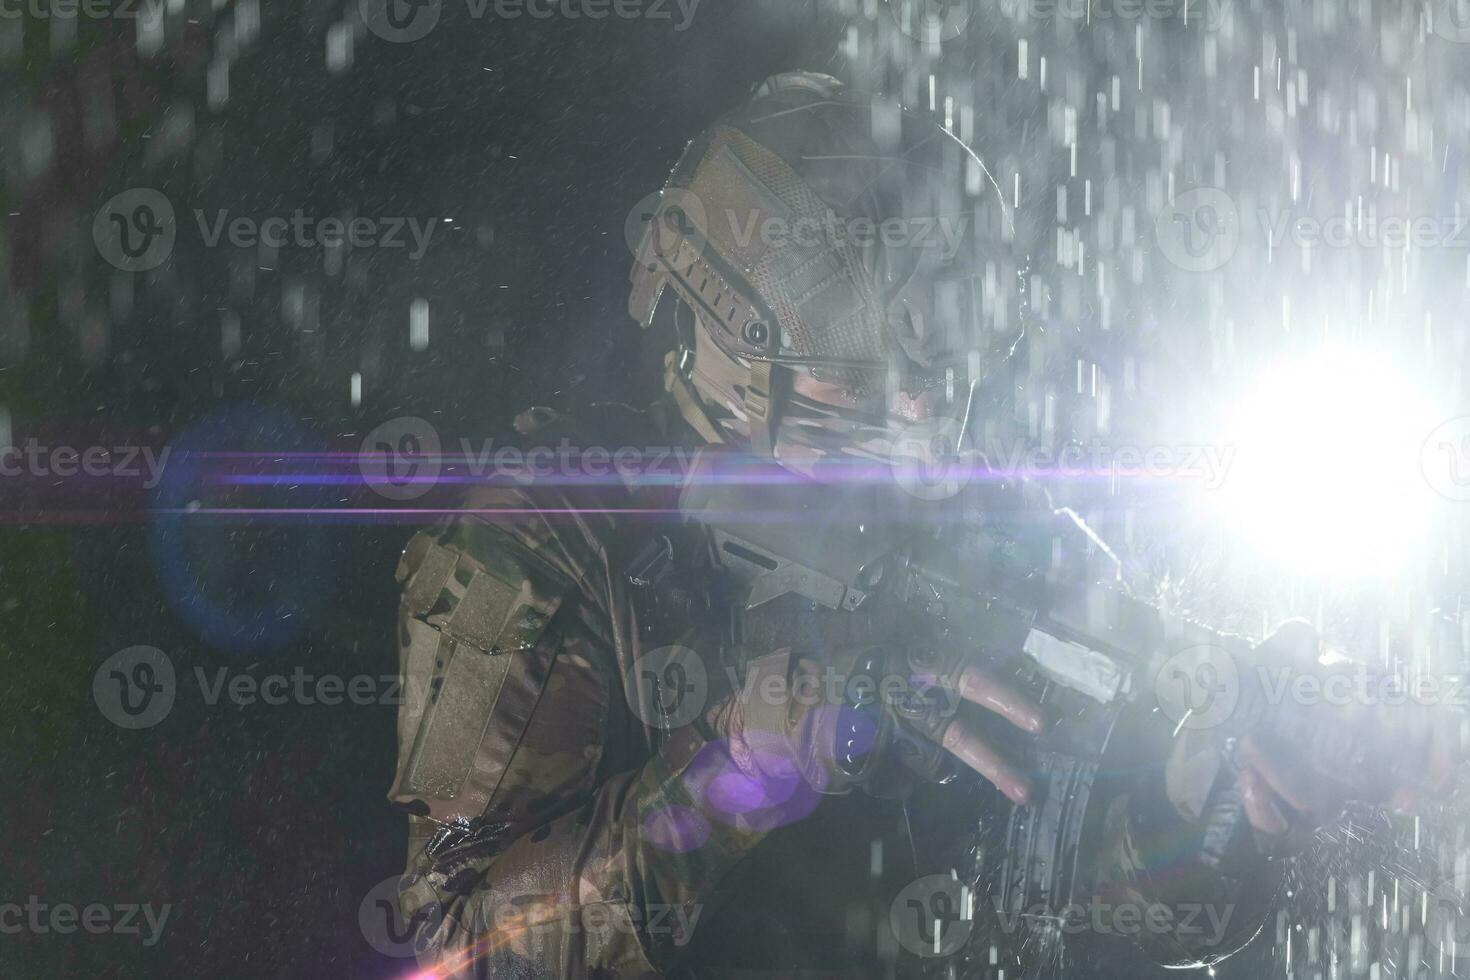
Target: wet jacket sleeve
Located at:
point(613, 888)
point(589, 848)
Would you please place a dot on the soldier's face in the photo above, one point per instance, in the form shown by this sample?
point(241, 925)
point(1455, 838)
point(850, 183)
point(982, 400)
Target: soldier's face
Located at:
point(902, 406)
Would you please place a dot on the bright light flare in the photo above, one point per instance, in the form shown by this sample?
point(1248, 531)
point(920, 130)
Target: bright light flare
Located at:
point(1326, 477)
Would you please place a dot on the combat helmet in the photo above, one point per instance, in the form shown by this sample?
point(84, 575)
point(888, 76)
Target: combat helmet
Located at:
point(813, 231)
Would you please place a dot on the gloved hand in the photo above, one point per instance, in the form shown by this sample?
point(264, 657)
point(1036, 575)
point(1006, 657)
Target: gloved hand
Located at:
point(873, 717)
point(1332, 734)
point(1388, 751)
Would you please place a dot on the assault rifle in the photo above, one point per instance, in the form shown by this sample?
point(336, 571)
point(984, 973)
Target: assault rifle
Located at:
point(1034, 594)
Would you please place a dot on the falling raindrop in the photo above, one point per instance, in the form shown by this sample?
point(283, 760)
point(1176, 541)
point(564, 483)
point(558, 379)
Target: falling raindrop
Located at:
point(418, 325)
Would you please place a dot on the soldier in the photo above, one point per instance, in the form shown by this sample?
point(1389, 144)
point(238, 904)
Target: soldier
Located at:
point(569, 819)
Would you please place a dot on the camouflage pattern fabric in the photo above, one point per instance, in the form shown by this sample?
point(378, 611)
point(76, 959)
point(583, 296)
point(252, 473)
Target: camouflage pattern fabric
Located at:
point(587, 847)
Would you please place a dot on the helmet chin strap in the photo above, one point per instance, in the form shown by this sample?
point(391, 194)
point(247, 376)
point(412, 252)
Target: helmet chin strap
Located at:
point(761, 406)
point(688, 403)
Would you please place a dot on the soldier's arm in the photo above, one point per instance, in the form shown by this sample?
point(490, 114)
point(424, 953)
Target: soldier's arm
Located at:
point(578, 864)
point(618, 884)
point(1203, 875)
point(1173, 844)
point(1192, 909)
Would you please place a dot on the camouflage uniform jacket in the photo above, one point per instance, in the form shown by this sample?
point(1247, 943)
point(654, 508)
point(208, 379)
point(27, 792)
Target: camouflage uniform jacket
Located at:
point(516, 632)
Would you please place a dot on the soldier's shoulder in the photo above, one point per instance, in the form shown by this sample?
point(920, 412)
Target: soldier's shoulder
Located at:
point(553, 539)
